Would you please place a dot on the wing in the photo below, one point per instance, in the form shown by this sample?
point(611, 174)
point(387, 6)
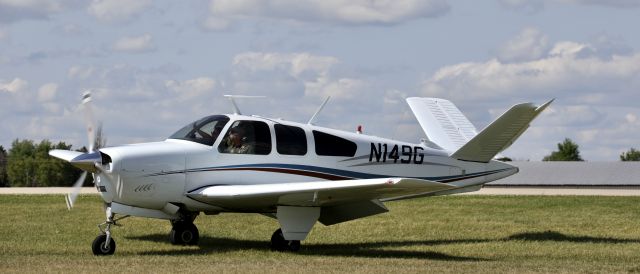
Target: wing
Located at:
point(322, 193)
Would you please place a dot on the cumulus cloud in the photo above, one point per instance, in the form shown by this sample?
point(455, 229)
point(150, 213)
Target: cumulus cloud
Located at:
point(3, 33)
point(527, 6)
point(152, 95)
point(16, 10)
point(216, 23)
point(297, 83)
point(529, 44)
point(135, 44)
point(358, 12)
point(27, 112)
point(117, 10)
point(15, 86)
point(72, 29)
point(591, 86)
point(191, 88)
point(80, 72)
point(610, 3)
point(532, 6)
point(47, 92)
point(295, 74)
point(563, 70)
point(294, 63)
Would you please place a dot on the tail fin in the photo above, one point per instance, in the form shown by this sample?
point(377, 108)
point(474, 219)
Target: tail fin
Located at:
point(443, 122)
point(500, 134)
point(446, 126)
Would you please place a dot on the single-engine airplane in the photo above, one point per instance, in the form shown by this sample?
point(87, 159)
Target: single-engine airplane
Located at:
point(296, 173)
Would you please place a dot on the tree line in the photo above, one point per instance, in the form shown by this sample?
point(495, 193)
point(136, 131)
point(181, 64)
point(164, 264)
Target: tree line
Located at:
point(28, 164)
point(569, 151)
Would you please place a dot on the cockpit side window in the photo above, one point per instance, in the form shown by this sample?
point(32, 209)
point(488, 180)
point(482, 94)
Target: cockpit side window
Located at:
point(247, 137)
point(204, 131)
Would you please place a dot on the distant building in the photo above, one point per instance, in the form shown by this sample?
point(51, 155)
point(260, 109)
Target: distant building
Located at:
point(572, 174)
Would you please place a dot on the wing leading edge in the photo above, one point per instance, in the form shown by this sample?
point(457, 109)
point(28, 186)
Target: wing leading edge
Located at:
point(321, 193)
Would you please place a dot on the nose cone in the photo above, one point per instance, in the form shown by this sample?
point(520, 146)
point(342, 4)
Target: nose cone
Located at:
point(144, 174)
point(147, 158)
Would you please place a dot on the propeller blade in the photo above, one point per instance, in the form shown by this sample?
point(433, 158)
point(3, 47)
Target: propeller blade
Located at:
point(71, 197)
point(89, 120)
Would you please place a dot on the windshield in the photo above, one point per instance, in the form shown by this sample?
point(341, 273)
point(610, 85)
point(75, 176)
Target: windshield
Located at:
point(204, 131)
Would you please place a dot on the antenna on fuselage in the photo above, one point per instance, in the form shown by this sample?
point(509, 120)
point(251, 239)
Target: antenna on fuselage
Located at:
point(236, 110)
point(318, 111)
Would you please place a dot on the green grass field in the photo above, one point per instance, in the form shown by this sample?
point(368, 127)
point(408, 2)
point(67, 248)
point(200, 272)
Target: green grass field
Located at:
point(443, 234)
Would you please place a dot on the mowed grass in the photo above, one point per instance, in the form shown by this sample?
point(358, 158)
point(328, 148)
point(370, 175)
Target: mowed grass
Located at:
point(442, 234)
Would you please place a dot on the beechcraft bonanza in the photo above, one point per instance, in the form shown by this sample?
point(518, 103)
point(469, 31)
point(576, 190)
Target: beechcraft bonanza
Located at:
point(297, 173)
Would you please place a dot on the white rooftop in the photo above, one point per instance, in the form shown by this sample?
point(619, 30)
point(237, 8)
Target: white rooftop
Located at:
point(573, 174)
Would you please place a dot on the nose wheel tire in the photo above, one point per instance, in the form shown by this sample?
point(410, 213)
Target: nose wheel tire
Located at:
point(184, 234)
point(278, 243)
point(100, 246)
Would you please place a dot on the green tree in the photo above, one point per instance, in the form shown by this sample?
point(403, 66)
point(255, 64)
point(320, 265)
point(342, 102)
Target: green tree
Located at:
point(21, 163)
point(4, 181)
point(30, 165)
point(567, 151)
point(630, 155)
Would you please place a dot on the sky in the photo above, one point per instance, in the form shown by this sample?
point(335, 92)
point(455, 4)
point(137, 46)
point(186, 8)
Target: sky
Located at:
point(154, 66)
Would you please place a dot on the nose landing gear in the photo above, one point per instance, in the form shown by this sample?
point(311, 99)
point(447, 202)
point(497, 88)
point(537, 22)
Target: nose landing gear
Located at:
point(104, 244)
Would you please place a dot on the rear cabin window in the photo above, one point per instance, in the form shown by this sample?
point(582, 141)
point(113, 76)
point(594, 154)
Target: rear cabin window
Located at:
point(330, 145)
point(247, 137)
point(290, 140)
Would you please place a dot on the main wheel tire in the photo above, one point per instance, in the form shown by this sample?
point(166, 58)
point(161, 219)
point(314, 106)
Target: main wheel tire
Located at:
point(184, 234)
point(278, 243)
point(99, 246)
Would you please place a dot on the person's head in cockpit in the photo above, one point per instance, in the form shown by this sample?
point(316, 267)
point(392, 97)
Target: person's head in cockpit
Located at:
point(235, 136)
point(236, 142)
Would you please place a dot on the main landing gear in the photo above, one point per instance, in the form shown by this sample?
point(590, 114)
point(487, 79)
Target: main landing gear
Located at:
point(278, 243)
point(183, 231)
point(104, 243)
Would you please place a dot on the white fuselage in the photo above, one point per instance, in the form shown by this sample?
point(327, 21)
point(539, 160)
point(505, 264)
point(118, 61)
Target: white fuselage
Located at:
point(150, 175)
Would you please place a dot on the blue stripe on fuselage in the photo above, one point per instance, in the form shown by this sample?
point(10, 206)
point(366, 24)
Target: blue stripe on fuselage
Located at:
point(340, 172)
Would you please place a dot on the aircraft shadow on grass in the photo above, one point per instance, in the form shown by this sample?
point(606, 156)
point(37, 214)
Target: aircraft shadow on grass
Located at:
point(367, 250)
point(559, 237)
point(373, 249)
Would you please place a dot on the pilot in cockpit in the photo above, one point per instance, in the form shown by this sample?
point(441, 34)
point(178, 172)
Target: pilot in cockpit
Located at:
point(216, 131)
point(210, 138)
point(236, 142)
